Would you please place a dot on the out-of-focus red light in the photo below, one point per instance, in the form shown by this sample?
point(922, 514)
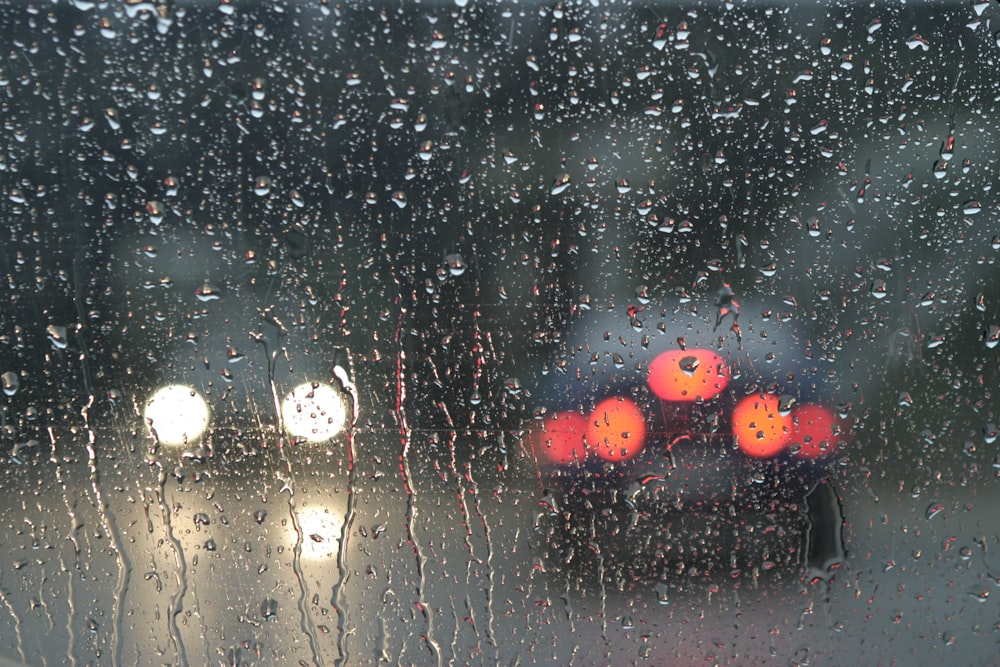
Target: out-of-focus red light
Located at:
point(560, 439)
point(813, 431)
point(616, 429)
point(688, 375)
point(762, 432)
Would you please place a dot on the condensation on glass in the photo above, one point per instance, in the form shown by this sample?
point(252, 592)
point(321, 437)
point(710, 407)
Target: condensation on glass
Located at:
point(460, 333)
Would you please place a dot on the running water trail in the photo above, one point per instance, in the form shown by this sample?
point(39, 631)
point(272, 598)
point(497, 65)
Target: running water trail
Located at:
point(825, 552)
point(111, 529)
point(305, 618)
point(177, 599)
point(17, 623)
point(339, 599)
point(107, 515)
point(411, 507)
point(306, 623)
point(491, 589)
point(462, 504)
point(343, 372)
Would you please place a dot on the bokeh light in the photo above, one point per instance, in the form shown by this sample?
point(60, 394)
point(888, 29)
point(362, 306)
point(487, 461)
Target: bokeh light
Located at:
point(616, 430)
point(760, 429)
point(814, 431)
point(560, 439)
point(176, 415)
point(688, 375)
point(313, 412)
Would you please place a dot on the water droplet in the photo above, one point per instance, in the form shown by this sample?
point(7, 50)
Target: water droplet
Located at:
point(947, 151)
point(456, 264)
point(559, 185)
point(933, 510)
point(208, 292)
point(154, 210)
point(58, 336)
point(689, 364)
point(233, 355)
point(972, 207)
point(262, 185)
point(426, 150)
point(10, 383)
point(824, 539)
point(979, 594)
point(399, 199)
point(917, 42)
point(991, 335)
point(662, 593)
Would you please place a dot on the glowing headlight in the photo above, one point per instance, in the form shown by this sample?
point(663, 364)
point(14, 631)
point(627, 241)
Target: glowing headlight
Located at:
point(314, 412)
point(178, 415)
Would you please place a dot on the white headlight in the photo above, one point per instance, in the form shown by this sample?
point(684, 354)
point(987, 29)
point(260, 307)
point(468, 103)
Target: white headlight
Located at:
point(314, 412)
point(178, 415)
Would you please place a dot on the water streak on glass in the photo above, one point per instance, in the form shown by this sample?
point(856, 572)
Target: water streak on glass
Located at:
point(111, 527)
point(406, 439)
point(339, 597)
point(306, 623)
point(176, 605)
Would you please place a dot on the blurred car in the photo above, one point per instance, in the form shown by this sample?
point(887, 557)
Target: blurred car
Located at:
point(692, 460)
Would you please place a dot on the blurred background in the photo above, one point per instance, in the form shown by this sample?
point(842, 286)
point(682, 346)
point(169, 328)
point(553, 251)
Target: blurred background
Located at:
point(312, 311)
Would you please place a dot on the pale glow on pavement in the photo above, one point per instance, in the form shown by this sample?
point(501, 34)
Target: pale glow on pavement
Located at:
point(320, 528)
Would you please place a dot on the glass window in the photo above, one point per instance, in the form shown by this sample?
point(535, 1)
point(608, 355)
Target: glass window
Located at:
point(521, 333)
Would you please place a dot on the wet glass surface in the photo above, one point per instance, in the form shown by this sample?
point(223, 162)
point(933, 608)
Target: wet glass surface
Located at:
point(455, 333)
